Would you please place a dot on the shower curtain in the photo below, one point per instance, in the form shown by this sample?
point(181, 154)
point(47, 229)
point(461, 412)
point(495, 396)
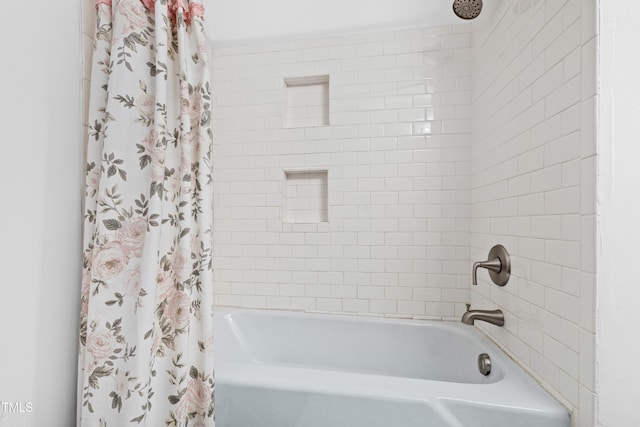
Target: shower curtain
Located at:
point(146, 337)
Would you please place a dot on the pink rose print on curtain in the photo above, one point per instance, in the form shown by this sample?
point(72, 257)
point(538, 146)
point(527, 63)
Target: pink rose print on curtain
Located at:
point(146, 331)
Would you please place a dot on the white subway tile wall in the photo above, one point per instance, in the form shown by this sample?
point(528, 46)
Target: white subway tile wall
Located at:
point(532, 186)
point(396, 145)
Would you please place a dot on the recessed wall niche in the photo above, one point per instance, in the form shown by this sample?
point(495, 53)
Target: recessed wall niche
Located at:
point(305, 196)
point(306, 101)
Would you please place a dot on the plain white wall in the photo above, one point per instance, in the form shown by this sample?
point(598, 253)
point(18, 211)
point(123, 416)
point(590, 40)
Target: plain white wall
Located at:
point(618, 346)
point(254, 19)
point(40, 176)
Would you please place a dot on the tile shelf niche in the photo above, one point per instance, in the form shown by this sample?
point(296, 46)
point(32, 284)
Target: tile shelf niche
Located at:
point(306, 101)
point(305, 196)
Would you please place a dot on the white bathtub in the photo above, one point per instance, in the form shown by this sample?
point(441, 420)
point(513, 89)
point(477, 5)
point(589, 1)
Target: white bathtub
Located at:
point(278, 369)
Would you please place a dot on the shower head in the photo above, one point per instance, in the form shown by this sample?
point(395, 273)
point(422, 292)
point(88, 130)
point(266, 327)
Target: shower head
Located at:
point(467, 9)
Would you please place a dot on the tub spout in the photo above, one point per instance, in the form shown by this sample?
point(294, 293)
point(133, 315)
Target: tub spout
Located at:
point(495, 317)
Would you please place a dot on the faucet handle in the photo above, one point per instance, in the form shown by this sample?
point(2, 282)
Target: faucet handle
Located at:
point(498, 264)
point(468, 306)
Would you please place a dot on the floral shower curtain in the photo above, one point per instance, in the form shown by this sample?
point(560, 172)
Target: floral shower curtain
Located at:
point(146, 327)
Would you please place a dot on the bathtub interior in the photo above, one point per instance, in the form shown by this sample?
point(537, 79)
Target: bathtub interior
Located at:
point(350, 344)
